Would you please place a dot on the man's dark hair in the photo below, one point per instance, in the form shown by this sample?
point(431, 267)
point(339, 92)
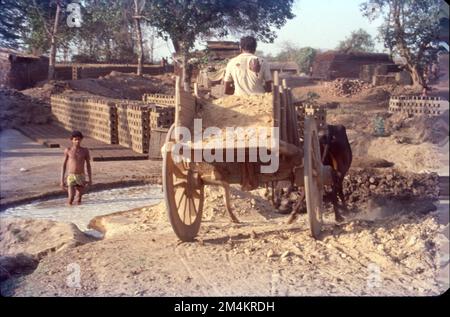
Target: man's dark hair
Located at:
point(76, 134)
point(248, 43)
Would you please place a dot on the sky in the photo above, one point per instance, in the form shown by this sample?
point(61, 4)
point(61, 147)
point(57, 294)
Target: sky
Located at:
point(318, 23)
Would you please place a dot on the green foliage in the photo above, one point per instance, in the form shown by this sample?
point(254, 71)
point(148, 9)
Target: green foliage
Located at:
point(107, 31)
point(358, 41)
point(409, 29)
point(186, 21)
point(304, 56)
point(12, 17)
point(311, 98)
point(28, 24)
point(378, 124)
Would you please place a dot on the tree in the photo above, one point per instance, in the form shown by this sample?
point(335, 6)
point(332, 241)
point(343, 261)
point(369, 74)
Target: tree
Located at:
point(185, 21)
point(12, 17)
point(107, 31)
point(410, 27)
point(45, 16)
point(358, 41)
point(138, 8)
point(304, 56)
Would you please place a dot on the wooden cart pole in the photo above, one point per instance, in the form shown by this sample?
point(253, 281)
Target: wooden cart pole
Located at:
point(276, 100)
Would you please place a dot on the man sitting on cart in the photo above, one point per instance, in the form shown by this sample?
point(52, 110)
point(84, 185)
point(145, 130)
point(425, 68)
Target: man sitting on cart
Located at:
point(248, 73)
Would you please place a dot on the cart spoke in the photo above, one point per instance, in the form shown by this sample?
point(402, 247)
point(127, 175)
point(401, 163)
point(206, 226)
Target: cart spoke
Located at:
point(196, 194)
point(180, 184)
point(195, 207)
point(191, 209)
point(181, 198)
point(184, 210)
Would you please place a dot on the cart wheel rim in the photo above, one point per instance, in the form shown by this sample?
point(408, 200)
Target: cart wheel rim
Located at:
point(184, 204)
point(313, 183)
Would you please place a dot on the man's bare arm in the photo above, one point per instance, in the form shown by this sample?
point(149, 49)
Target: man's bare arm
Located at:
point(229, 88)
point(63, 170)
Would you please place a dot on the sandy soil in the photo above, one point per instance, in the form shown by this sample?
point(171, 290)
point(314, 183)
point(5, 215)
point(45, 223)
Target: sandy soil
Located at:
point(386, 250)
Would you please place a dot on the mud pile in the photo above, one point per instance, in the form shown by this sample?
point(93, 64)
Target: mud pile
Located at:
point(119, 85)
point(432, 129)
point(17, 109)
point(360, 185)
point(44, 91)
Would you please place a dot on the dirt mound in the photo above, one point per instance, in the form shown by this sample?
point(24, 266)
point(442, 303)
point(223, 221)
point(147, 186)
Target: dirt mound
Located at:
point(360, 185)
point(420, 128)
point(18, 109)
point(376, 94)
point(44, 91)
point(344, 87)
point(38, 237)
point(125, 85)
point(398, 90)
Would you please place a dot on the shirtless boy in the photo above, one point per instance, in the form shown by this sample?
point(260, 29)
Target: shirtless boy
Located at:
point(74, 159)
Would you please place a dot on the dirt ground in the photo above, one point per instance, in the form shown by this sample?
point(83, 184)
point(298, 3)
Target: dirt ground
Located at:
point(30, 170)
point(388, 245)
point(388, 250)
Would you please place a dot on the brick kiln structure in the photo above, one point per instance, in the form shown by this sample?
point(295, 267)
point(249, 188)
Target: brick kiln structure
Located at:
point(331, 65)
point(21, 71)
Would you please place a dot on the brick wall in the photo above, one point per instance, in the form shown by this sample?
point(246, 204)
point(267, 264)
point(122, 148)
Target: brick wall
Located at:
point(22, 72)
point(124, 122)
point(94, 117)
point(332, 65)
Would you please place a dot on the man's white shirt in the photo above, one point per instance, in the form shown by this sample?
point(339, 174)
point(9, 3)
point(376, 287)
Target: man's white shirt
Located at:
point(249, 74)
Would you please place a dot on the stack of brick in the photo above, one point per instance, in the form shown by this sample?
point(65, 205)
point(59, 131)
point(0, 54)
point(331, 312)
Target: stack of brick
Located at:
point(418, 105)
point(159, 99)
point(161, 117)
point(134, 126)
point(96, 117)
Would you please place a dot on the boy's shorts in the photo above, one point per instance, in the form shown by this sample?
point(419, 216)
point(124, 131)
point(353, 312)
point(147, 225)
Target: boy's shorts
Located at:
point(76, 180)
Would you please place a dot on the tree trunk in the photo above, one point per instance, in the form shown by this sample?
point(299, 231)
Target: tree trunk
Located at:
point(52, 59)
point(185, 76)
point(137, 23)
point(140, 47)
point(417, 76)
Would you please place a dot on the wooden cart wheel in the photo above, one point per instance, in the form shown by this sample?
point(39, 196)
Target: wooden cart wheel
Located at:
point(183, 195)
point(313, 182)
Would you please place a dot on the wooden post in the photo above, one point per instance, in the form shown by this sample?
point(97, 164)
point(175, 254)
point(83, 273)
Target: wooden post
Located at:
point(294, 119)
point(177, 106)
point(283, 115)
point(196, 90)
point(276, 100)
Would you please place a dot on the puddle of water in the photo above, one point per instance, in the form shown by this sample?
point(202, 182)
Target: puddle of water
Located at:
point(94, 204)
